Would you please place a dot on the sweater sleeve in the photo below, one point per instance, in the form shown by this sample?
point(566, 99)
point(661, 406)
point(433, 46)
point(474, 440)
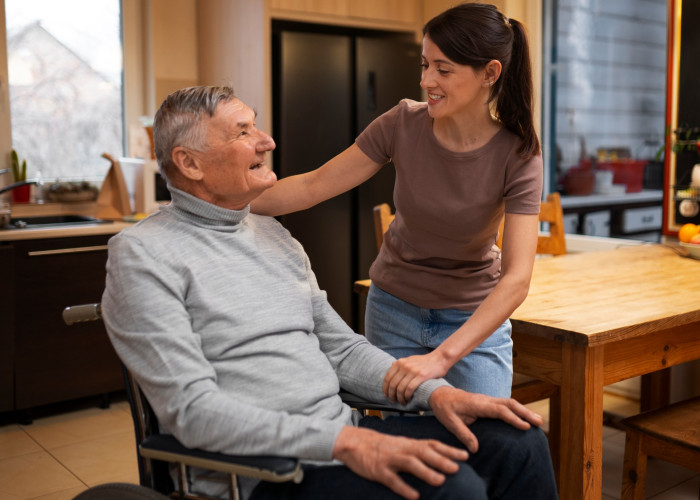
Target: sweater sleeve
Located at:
point(150, 328)
point(360, 366)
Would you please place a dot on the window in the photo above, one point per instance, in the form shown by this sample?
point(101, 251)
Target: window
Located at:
point(606, 85)
point(65, 85)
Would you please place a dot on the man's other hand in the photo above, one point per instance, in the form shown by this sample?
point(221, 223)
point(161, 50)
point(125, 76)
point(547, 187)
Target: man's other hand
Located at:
point(380, 457)
point(456, 409)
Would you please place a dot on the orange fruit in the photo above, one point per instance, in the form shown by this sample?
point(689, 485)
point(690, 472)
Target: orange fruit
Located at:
point(687, 231)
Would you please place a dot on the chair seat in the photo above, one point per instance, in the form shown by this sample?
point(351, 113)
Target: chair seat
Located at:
point(671, 433)
point(362, 286)
point(677, 425)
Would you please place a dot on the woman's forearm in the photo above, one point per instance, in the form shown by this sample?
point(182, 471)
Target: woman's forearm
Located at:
point(299, 192)
point(288, 195)
point(492, 313)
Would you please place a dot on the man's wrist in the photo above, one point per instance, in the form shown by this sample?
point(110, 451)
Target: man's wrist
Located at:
point(425, 391)
point(438, 395)
point(344, 442)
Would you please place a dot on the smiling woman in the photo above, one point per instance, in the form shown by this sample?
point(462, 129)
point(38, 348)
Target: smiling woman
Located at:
point(65, 77)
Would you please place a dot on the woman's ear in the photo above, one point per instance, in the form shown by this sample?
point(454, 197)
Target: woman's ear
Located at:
point(187, 165)
point(492, 72)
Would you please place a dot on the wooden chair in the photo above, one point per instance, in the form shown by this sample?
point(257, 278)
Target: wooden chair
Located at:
point(551, 213)
point(670, 433)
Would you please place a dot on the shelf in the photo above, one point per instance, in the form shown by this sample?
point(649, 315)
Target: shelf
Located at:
point(607, 200)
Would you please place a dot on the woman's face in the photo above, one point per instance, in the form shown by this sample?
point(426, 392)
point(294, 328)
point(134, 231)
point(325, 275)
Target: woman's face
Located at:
point(452, 88)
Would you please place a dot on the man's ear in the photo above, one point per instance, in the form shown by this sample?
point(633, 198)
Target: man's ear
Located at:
point(492, 71)
point(186, 164)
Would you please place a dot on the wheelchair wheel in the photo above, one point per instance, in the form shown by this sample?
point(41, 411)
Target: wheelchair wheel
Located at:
point(119, 491)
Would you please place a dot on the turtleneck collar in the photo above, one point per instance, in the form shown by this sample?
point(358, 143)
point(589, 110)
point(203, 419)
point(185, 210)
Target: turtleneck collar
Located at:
point(203, 213)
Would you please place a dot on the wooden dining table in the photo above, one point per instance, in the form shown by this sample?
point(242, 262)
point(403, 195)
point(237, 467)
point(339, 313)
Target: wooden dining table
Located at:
point(593, 319)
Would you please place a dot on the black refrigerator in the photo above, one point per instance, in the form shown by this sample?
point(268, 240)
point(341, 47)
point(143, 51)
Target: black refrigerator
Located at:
point(329, 83)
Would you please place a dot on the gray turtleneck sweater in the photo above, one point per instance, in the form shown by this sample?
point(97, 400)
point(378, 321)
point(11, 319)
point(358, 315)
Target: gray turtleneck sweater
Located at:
point(219, 317)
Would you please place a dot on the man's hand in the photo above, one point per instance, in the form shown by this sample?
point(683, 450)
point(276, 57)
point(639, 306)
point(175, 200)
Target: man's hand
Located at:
point(380, 457)
point(406, 374)
point(456, 409)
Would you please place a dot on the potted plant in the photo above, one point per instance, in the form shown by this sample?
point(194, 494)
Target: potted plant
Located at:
point(19, 171)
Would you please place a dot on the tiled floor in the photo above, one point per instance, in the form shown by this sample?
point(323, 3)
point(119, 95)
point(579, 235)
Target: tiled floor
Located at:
point(60, 455)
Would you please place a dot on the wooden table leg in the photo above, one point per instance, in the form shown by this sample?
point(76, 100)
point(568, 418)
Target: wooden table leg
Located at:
point(656, 390)
point(554, 436)
point(581, 445)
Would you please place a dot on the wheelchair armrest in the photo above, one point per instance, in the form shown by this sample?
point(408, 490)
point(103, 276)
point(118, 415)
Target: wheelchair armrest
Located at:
point(167, 448)
point(361, 404)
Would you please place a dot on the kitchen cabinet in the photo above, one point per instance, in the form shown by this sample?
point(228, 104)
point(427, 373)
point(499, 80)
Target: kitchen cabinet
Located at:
point(641, 219)
point(51, 361)
point(632, 215)
point(597, 223)
point(388, 13)
point(6, 332)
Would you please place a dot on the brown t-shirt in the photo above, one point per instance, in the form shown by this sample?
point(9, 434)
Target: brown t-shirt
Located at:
point(440, 250)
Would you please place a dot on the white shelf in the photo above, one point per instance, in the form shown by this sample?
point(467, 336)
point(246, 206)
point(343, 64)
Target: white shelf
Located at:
point(595, 200)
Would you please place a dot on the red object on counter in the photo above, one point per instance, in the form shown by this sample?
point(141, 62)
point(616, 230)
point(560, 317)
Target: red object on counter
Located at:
point(627, 172)
point(579, 181)
point(21, 194)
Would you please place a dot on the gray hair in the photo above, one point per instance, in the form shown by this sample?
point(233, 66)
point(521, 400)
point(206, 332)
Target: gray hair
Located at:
point(178, 121)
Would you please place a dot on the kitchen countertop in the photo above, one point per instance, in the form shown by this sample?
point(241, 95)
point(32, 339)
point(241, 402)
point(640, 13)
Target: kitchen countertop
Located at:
point(63, 232)
point(41, 209)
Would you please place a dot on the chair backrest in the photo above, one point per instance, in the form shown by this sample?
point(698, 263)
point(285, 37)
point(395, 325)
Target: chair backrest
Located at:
point(550, 212)
point(382, 219)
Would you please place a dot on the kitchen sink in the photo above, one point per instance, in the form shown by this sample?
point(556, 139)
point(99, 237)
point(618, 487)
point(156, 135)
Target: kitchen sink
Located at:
point(50, 221)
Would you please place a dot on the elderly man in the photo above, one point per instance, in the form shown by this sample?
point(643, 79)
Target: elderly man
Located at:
point(218, 315)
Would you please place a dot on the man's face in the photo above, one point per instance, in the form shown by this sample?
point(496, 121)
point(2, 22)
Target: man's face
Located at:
point(233, 166)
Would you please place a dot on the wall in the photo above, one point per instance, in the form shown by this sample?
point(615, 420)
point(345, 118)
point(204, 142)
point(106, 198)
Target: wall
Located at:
point(233, 49)
point(138, 61)
point(174, 46)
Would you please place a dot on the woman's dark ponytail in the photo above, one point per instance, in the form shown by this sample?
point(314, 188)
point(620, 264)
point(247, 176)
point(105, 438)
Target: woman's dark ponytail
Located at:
point(514, 99)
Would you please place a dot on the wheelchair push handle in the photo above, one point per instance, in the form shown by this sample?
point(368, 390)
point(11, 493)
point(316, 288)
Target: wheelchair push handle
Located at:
point(82, 313)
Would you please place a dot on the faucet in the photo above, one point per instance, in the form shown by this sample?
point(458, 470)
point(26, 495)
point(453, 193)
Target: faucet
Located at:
point(15, 186)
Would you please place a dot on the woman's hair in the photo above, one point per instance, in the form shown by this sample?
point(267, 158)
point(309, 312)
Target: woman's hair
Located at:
point(473, 34)
point(178, 121)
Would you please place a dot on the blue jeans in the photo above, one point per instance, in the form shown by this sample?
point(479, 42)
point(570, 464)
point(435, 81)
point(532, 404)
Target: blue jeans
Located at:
point(510, 465)
point(402, 330)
